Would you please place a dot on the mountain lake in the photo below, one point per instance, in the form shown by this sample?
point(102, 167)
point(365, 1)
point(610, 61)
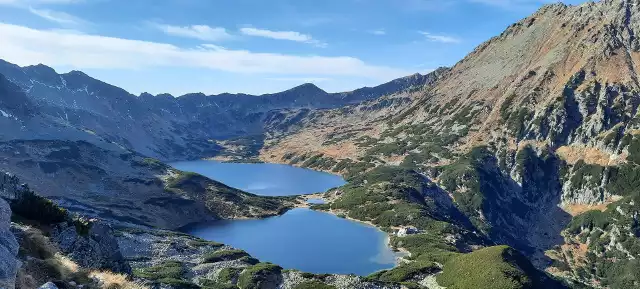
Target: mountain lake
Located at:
point(301, 239)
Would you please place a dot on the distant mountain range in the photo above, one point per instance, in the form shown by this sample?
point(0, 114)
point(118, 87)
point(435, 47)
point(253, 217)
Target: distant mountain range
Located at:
point(45, 104)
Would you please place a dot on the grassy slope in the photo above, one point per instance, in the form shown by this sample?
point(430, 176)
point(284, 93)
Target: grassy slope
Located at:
point(499, 267)
point(394, 197)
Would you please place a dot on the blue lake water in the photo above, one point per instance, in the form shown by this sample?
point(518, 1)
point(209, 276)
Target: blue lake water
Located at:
point(264, 179)
point(306, 240)
point(300, 239)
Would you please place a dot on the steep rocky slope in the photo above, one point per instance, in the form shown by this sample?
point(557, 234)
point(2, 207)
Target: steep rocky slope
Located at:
point(533, 135)
point(122, 186)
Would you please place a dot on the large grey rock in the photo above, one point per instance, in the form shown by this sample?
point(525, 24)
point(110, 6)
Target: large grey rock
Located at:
point(98, 249)
point(9, 186)
point(8, 249)
point(48, 285)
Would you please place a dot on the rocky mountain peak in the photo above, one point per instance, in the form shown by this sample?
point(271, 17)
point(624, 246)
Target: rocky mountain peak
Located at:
point(308, 88)
point(534, 61)
point(44, 72)
point(146, 95)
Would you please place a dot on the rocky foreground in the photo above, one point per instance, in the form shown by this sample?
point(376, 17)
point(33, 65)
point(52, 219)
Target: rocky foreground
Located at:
point(47, 245)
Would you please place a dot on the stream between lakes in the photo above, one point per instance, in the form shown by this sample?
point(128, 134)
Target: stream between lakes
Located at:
point(301, 239)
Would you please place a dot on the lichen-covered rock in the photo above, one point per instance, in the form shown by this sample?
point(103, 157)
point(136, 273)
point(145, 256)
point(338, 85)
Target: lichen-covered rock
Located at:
point(98, 249)
point(8, 249)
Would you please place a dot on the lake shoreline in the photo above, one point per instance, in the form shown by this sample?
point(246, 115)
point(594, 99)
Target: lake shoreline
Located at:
point(370, 224)
point(322, 196)
point(259, 160)
point(244, 177)
point(306, 240)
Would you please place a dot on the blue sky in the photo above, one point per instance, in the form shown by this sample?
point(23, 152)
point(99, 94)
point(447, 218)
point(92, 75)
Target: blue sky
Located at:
point(251, 46)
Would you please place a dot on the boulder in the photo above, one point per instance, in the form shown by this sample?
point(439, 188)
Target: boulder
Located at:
point(97, 249)
point(9, 264)
point(48, 285)
point(403, 232)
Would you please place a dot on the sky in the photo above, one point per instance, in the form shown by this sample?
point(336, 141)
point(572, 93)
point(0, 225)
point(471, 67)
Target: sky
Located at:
point(250, 46)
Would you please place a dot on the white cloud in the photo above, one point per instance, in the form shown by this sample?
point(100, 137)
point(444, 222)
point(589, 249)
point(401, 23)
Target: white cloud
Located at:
point(27, 46)
point(202, 32)
point(282, 35)
point(440, 38)
point(56, 16)
point(378, 32)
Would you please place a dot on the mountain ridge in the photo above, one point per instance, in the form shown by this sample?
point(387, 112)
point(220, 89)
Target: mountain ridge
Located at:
point(76, 100)
point(540, 137)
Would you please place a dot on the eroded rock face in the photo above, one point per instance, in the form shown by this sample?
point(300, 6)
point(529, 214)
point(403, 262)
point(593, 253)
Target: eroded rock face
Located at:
point(9, 264)
point(98, 249)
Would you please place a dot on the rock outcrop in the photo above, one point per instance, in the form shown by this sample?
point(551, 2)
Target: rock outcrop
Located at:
point(48, 285)
point(9, 263)
point(97, 248)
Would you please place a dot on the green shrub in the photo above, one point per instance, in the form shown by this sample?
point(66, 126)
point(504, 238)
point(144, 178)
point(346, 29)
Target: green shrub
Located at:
point(506, 106)
point(178, 283)
point(83, 226)
point(499, 267)
point(150, 163)
point(186, 180)
point(624, 180)
point(224, 255)
point(589, 220)
point(582, 172)
point(33, 207)
point(405, 272)
point(227, 275)
point(210, 284)
point(170, 272)
point(428, 247)
point(634, 151)
point(166, 270)
point(313, 285)
point(203, 243)
point(249, 260)
point(308, 275)
point(256, 275)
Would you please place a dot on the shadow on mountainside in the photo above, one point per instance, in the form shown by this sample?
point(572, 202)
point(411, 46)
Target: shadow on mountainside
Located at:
point(525, 215)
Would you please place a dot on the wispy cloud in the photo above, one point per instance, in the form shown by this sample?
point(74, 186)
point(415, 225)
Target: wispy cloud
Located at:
point(440, 38)
point(282, 35)
point(26, 46)
point(56, 16)
point(378, 32)
point(202, 32)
